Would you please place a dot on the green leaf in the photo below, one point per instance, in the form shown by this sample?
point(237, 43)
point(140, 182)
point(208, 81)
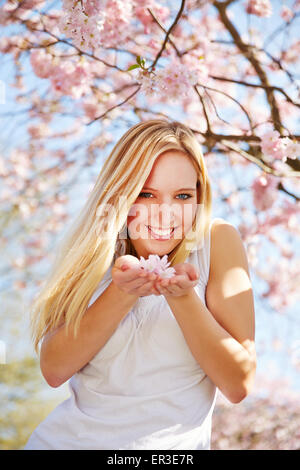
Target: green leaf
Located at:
point(134, 66)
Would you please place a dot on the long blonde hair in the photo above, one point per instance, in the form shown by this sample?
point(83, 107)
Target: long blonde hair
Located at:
point(84, 254)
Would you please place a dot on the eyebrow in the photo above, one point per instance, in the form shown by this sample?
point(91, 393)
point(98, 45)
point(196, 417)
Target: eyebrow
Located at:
point(181, 189)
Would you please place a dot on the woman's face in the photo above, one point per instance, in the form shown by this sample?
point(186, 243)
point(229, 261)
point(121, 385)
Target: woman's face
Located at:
point(165, 208)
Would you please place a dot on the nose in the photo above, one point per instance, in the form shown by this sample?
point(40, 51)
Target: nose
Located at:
point(165, 215)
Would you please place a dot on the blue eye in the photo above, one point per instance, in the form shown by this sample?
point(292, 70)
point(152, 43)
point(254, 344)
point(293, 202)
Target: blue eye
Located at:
point(188, 195)
point(183, 194)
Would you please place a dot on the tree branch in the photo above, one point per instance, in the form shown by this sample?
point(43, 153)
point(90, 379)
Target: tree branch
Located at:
point(250, 56)
point(113, 107)
point(258, 162)
point(170, 37)
point(168, 33)
point(254, 85)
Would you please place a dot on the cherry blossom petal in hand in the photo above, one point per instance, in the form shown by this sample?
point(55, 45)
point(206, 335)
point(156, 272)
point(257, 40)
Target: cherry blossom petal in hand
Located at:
point(157, 265)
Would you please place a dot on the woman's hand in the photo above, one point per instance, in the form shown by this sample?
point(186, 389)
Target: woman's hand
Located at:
point(131, 278)
point(185, 279)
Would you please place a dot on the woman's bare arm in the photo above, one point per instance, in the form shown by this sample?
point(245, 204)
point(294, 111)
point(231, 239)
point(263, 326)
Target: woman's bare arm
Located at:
point(62, 355)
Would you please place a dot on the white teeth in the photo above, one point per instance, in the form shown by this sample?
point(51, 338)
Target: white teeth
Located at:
point(161, 232)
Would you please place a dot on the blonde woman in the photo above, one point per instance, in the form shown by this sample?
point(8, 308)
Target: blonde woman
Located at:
point(145, 355)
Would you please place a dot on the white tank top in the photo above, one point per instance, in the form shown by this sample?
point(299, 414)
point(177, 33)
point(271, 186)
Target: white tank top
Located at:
point(143, 390)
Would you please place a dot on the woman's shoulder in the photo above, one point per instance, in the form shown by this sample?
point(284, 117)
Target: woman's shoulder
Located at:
point(223, 236)
point(221, 226)
point(217, 221)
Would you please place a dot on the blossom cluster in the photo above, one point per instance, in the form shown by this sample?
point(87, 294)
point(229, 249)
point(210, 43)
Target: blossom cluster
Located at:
point(157, 265)
point(105, 23)
point(286, 13)
point(68, 77)
point(23, 9)
point(264, 191)
point(261, 8)
point(268, 419)
point(95, 23)
point(275, 147)
point(175, 79)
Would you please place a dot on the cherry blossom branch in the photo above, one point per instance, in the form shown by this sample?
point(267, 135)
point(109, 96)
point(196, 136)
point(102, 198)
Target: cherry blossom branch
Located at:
point(279, 29)
point(257, 161)
point(254, 85)
point(283, 189)
point(64, 41)
point(115, 106)
point(250, 56)
point(204, 109)
point(291, 76)
point(168, 33)
point(234, 100)
point(170, 36)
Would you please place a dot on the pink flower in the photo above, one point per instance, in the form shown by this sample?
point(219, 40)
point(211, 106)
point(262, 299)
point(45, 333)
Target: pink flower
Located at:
point(68, 77)
point(272, 145)
point(71, 79)
point(291, 55)
point(92, 7)
point(142, 13)
point(261, 8)
point(38, 131)
point(92, 23)
point(42, 63)
point(265, 191)
point(175, 80)
point(286, 13)
point(292, 148)
point(157, 265)
point(296, 5)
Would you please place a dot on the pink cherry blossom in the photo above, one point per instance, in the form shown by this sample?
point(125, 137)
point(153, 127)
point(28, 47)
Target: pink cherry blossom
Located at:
point(157, 265)
point(296, 5)
point(23, 9)
point(142, 13)
point(67, 77)
point(42, 63)
point(91, 24)
point(259, 7)
point(292, 148)
point(277, 147)
point(38, 131)
point(272, 145)
point(264, 191)
point(176, 80)
point(286, 13)
point(93, 7)
point(74, 80)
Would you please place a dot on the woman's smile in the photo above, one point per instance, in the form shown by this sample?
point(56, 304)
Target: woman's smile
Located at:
point(160, 234)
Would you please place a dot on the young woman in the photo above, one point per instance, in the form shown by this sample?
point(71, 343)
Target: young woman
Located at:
point(145, 355)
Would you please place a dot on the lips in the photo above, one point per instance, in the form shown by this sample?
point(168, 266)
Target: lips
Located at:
point(161, 234)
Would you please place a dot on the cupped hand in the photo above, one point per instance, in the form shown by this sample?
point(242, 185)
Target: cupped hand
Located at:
point(131, 278)
point(186, 277)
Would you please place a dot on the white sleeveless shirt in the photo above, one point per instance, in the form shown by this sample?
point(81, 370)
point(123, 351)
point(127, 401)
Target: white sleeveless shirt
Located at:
point(143, 390)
